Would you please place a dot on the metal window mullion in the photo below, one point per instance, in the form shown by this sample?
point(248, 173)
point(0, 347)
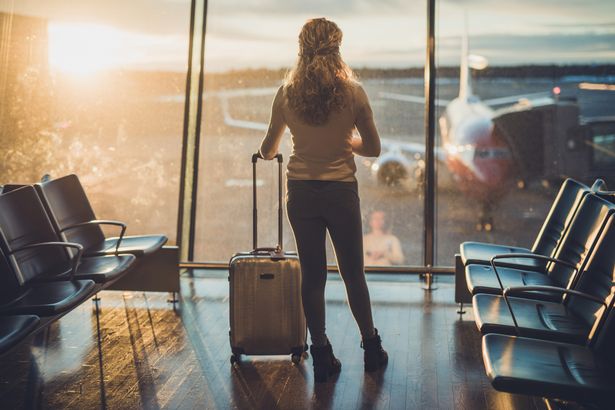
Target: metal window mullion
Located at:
point(430, 121)
point(197, 141)
point(185, 132)
point(186, 224)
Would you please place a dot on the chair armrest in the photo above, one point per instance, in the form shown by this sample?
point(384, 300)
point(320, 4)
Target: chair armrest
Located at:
point(527, 256)
point(598, 185)
point(522, 289)
point(532, 256)
point(521, 255)
point(75, 261)
point(122, 225)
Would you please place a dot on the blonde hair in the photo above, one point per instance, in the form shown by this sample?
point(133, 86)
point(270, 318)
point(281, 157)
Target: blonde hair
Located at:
point(318, 84)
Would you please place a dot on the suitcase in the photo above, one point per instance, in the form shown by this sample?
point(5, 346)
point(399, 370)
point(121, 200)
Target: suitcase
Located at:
point(266, 313)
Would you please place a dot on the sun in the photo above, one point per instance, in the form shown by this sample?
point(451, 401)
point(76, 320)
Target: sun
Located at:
point(83, 49)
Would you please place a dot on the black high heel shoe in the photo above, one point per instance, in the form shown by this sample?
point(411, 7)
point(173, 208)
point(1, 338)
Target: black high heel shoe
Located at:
point(325, 363)
point(374, 355)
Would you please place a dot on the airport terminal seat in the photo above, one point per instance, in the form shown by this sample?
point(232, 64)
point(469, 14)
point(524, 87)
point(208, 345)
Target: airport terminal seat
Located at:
point(537, 319)
point(21, 294)
point(554, 370)
point(557, 221)
point(14, 329)
point(481, 253)
point(40, 280)
point(10, 187)
point(74, 220)
point(561, 269)
point(34, 250)
point(569, 320)
point(482, 278)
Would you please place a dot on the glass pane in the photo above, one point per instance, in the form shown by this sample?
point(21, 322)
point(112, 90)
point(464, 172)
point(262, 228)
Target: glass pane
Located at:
point(97, 90)
point(245, 64)
point(537, 106)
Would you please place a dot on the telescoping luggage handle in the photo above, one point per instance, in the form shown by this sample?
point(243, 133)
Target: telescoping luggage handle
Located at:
point(276, 252)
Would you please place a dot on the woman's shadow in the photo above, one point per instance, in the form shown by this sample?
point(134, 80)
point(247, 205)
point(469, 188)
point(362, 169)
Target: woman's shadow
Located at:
point(371, 388)
point(323, 393)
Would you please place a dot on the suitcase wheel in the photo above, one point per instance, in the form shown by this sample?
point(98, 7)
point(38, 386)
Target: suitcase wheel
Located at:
point(296, 358)
point(236, 358)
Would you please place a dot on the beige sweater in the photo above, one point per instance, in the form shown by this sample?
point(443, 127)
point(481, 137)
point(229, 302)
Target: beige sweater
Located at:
point(324, 152)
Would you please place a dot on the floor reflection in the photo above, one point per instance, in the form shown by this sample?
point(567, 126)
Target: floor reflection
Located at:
point(139, 352)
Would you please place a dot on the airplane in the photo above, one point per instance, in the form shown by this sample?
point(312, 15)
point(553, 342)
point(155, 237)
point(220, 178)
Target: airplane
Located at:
point(474, 151)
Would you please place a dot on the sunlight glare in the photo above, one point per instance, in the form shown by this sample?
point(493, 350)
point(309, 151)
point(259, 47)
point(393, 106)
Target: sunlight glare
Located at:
point(83, 48)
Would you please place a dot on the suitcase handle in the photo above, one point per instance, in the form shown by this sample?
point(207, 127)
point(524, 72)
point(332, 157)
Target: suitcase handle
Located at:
point(278, 249)
point(274, 253)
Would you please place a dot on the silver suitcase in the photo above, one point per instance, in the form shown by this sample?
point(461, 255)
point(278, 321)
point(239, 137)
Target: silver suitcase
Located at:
point(266, 313)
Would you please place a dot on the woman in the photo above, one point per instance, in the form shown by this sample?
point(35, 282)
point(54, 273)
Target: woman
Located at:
point(381, 247)
point(322, 103)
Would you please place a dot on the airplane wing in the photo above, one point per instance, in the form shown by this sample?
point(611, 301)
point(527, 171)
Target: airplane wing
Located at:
point(246, 92)
point(442, 103)
point(410, 98)
point(224, 97)
point(513, 99)
point(411, 149)
point(232, 122)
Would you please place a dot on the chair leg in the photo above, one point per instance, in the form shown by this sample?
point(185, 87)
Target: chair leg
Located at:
point(96, 298)
point(101, 373)
point(461, 311)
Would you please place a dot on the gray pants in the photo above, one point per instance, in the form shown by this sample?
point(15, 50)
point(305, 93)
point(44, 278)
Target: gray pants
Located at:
point(313, 208)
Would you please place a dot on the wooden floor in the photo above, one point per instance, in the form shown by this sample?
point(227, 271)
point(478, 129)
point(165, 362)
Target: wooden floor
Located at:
point(151, 356)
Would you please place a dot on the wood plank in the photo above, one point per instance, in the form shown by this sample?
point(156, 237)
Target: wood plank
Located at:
point(152, 356)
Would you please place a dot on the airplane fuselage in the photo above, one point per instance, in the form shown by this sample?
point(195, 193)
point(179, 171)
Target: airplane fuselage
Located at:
point(478, 158)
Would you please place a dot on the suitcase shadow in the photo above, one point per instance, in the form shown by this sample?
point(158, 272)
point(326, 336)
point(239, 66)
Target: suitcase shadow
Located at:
point(269, 384)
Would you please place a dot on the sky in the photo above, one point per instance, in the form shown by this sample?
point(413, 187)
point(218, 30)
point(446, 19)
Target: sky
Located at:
point(153, 34)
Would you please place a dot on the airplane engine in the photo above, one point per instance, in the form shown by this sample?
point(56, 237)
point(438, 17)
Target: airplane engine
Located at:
point(395, 170)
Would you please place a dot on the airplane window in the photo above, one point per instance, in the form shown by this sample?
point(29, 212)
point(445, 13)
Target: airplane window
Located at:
point(245, 65)
point(97, 90)
point(540, 78)
point(482, 153)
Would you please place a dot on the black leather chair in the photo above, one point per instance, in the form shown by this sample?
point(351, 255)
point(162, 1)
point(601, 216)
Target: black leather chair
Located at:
point(553, 229)
point(21, 293)
point(569, 320)
point(10, 187)
point(560, 270)
point(73, 218)
point(555, 370)
point(34, 249)
point(14, 329)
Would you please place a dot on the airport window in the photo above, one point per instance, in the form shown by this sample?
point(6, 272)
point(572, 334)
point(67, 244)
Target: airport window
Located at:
point(528, 86)
point(603, 147)
point(244, 67)
point(100, 92)
point(97, 90)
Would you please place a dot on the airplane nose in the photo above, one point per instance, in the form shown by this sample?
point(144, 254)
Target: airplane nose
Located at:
point(492, 172)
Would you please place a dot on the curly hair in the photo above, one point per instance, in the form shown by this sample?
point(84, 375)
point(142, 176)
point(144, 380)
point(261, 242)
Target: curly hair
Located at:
point(318, 84)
